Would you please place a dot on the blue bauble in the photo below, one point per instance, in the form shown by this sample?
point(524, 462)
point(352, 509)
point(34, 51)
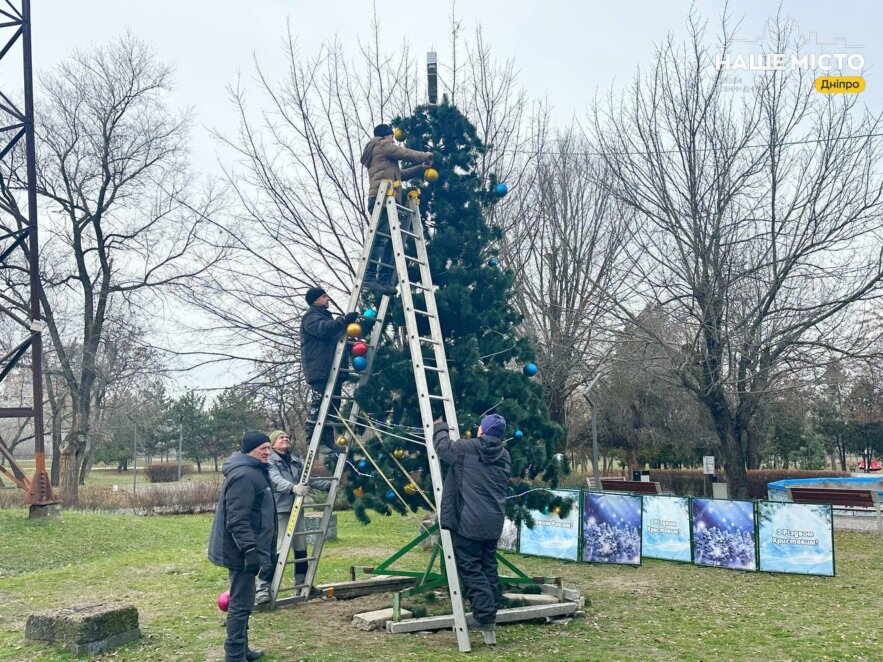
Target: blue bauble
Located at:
point(370, 314)
point(518, 434)
point(529, 369)
point(501, 189)
point(360, 363)
point(390, 496)
point(361, 465)
point(492, 262)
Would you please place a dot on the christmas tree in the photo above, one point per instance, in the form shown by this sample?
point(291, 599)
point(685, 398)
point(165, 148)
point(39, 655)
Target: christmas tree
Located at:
point(485, 348)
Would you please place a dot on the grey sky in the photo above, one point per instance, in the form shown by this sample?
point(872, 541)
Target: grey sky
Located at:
point(565, 51)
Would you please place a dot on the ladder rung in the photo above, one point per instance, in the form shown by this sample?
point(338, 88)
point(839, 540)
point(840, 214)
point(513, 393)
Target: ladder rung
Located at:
point(418, 286)
point(382, 264)
point(318, 505)
point(409, 233)
point(424, 313)
point(432, 368)
point(415, 260)
point(429, 341)
point(402, 208)
point(437, 397)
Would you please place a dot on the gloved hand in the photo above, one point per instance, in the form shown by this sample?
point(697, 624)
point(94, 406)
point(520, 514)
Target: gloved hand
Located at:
point(349, 318)
point(252, 560)
point(300, 490)
point(429, 158)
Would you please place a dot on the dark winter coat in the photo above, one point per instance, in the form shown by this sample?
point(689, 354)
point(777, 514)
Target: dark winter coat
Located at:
point(246, 515)
point(319, 333)
point(381, 157)
point(474, 495)
point(285, 472)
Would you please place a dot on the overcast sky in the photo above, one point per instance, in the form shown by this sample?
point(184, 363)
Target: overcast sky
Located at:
point(565, 51)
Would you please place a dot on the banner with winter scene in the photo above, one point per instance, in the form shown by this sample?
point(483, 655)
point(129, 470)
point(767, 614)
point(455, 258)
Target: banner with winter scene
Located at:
point(795, 538)
point(665, 531)
point(723, 534)
point(552, 535)
point(611, 528)
point(508, 541)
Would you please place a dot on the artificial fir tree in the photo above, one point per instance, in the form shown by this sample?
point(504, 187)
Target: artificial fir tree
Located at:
point(485, 347)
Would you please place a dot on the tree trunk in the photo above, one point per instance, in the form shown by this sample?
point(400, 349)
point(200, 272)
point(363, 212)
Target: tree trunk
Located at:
point(56, 456)
point(198, 466)
point(71, 457)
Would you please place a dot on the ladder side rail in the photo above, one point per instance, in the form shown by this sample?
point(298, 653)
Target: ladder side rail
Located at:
point(460, 628)
point(297, 507)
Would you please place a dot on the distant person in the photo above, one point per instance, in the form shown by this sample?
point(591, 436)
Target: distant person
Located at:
point(320, 332)
point(381, 157)
point(243, 535)
point(285, 470)
point(473, 509)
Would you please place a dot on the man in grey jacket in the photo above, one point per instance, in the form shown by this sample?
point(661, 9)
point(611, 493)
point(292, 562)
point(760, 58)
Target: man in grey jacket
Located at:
point(381, 157)
point(285, 470)
point(242, 536)
point(473, 509)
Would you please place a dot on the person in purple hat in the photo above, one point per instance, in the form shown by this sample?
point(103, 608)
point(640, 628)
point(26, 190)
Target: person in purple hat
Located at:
point(473, 509)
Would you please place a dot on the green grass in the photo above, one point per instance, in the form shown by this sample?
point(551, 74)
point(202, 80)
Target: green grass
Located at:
point(660, 611)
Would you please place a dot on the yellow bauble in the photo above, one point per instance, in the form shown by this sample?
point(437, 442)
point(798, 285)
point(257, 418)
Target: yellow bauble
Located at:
point(354, 330)
point(556, 510)
point(430, 175)
point(359, 491)
point(340, 441)
point(399, 134)
point(399, 453)
point(468, 434)
point(410, 488)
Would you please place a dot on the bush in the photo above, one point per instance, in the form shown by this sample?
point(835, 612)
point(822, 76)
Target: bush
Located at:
point(691, 482)
point(165, 473)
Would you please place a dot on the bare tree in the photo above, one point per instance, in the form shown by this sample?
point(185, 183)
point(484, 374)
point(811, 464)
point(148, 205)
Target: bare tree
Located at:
point(113, 177)
point(759, 223)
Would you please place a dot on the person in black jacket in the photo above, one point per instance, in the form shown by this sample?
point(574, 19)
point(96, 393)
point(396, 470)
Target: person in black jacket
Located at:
point(320, 333)
point(243, 534)
point(473, 509)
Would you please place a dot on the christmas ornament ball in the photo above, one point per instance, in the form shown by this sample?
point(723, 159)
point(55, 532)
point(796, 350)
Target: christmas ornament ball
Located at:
point(410, 489)
point(354, 330)
point(430, 175)
point(492, 262)
point(359, 349)
point(390, 496)
point(399, 134)
point(358, 491)
point(370, 314)
point(362, 465)
point(529, 369)
point(399, 453)
point(224, 601)
point(501, 189)
point(360, 363)
point(340, 441)
point(518, 434)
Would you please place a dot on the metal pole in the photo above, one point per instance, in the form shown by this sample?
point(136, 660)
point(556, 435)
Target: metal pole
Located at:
point(134, 458)
point(595, 460)
point(180, 444)
point(40, 492)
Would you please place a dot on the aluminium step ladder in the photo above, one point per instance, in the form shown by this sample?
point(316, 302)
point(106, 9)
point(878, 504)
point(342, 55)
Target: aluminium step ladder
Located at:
point(431, 378)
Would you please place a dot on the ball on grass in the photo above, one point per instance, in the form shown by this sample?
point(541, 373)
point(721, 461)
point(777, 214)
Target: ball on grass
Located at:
point(224, 601)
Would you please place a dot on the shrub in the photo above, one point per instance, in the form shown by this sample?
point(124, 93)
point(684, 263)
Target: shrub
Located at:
point(166, 472)
point(691, 482)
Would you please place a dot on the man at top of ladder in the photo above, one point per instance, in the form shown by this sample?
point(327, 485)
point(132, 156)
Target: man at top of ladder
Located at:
point(381, 157)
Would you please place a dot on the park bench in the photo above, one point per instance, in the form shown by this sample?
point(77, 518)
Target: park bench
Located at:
point(635, 486)
point(846, 498)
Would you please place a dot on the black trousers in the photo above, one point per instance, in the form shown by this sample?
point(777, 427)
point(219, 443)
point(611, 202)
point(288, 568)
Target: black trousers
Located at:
point(477, 567)
point(318, 389)
point(381, 250)
point(241, 603)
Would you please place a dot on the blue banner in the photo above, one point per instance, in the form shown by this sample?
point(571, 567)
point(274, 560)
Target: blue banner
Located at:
point(611, 528)
point(666, 528)
point(553, 536)
point(723, 534)
point(795, 538)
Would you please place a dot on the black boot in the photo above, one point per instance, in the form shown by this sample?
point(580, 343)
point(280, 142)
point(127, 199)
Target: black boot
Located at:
point(253, 655)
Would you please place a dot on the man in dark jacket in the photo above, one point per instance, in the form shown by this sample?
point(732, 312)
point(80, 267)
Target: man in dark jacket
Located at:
point(243, 534)
point(319, 334)
point(285, 469)
point(381, 157)
point(473, 509)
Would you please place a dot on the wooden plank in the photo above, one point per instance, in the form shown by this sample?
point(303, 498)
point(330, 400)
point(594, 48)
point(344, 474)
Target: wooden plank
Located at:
point(360, 587)
point(512, 615)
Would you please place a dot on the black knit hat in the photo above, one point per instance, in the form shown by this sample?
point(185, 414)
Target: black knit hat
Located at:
point(313, 293)
point(382, 130)
point(252, 439)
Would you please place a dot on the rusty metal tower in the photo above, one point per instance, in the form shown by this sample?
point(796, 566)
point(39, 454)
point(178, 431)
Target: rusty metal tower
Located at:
point(20, 232)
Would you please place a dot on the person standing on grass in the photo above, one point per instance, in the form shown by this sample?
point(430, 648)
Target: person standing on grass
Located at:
point(473, 509)
point(243, 535)
point(285, 469)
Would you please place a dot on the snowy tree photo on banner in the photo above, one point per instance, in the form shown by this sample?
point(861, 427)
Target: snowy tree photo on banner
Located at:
point(723, 534)
point(611, 528)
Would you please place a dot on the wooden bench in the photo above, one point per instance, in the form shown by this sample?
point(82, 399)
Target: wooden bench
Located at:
point(635, 486)
point(839, 497)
